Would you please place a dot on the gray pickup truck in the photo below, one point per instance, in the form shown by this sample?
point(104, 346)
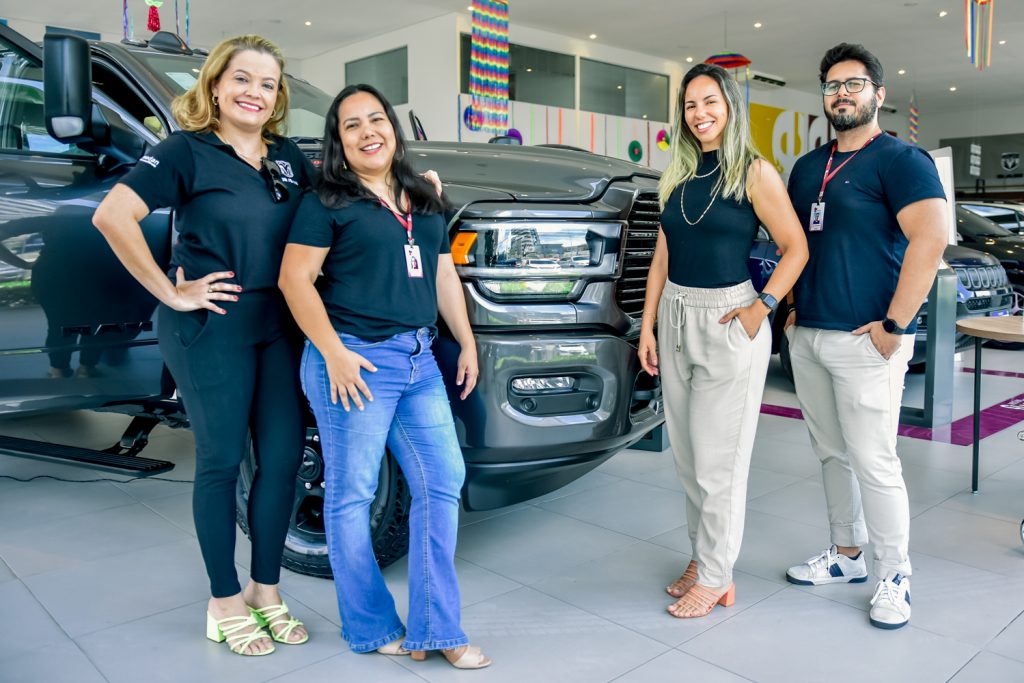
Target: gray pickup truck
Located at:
point(555, 246)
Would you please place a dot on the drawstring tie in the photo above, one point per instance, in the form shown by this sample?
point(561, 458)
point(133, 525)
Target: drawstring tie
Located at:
point(675, 318)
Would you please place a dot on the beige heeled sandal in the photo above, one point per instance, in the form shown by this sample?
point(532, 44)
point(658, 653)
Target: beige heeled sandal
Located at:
point(684, 583)
point(700, 600)
point(394, 648)
point(470, 658)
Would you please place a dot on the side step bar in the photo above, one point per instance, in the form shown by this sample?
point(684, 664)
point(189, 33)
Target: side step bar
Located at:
point(116, 463)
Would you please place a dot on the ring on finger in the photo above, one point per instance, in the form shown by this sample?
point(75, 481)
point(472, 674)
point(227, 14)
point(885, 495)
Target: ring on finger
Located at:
point(210, 290)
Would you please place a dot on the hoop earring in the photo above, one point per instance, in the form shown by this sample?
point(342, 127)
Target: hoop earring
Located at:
point(216, 104)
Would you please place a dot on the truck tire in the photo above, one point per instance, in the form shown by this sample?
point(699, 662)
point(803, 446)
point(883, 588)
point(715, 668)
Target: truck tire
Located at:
point(305, 548)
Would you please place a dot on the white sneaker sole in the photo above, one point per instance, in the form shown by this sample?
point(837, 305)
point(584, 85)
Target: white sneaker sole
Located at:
point(824, 582)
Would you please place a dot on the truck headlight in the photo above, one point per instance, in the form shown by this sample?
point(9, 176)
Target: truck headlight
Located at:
point(535, 260)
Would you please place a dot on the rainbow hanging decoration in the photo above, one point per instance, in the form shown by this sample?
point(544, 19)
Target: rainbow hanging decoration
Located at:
point(124, 20)
point(732, 60)
point(978, 31)
point(913, 120)
point(488, 67)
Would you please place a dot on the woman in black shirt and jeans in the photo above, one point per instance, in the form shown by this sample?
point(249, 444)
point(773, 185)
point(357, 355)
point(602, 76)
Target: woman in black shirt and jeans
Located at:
point(224, 330)
point(377, 233)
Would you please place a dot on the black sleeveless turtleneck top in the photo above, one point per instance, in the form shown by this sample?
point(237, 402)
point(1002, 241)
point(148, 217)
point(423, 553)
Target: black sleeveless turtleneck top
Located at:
point(713, 253)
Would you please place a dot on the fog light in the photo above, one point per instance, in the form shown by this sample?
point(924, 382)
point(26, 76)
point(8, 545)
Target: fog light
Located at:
point(538, 385)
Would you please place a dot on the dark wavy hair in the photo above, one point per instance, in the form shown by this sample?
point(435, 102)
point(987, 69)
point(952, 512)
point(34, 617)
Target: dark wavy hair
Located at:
point(339, 186)
point(853, 52)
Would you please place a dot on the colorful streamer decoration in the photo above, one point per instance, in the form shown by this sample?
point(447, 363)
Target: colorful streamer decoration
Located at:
point(636, 151)
point(124, 20)
point(732, 60)
point(186, 22)
point(153, 22)
point(913, 120)
point(978, 31)
point(663, 140)
point(488, 67)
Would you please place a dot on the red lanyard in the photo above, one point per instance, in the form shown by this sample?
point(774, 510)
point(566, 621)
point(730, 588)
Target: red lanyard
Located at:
point(406, 220)
point(830, 174)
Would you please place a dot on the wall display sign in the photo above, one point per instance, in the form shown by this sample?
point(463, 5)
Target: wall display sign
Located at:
point(1010, 161)
point(975, 166)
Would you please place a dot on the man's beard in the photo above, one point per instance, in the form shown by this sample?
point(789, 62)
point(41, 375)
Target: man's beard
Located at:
point(860, 116)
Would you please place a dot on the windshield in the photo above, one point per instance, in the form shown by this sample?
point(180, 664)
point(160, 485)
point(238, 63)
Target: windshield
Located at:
point(308, 104)
point(973, 225)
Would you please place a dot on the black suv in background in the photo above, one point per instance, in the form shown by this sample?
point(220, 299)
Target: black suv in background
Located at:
point(553, 248)
point(984, 234)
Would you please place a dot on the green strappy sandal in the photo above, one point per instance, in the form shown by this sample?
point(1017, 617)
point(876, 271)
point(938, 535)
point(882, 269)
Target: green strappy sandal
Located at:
point(275, 616)
point(229, 629)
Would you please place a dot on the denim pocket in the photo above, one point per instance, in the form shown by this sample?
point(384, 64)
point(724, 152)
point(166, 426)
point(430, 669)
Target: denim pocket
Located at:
point(353, 342)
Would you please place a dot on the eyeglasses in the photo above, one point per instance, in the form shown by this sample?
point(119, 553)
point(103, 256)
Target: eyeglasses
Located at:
point(852, 85)
point(272, 172)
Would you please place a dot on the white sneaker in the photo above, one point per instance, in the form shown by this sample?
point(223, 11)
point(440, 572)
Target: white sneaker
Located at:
point(890, 606)
point(829, 567)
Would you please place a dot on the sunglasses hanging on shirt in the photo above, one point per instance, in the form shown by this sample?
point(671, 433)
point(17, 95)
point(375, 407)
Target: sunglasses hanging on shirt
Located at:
point(272, 174)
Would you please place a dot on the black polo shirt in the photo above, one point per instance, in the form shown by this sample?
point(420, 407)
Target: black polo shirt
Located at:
point(366, 286)
point(855, 261)
point(225, 215)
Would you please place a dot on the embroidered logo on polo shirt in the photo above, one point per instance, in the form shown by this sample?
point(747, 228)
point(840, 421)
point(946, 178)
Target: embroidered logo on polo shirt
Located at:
point(150, 160)
point(287, 175)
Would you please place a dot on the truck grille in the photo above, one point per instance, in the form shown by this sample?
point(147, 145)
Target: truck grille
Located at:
point(985, 277)
point(640, 239)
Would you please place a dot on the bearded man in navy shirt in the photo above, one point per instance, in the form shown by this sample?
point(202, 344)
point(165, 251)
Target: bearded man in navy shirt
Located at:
point(874, 212)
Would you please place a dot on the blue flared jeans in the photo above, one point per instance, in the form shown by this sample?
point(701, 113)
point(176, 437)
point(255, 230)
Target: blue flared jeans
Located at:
point(410, 415)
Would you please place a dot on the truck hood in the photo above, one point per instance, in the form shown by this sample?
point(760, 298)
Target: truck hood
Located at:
point(962, 256)
point(524, 173)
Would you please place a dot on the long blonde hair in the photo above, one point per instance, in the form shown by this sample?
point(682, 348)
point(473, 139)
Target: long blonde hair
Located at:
point(195, 110)
point(737, 152)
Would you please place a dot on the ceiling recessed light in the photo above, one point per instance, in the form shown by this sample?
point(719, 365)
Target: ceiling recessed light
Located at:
point(689, 60)
point(618, 87)
point(942, 14)
point(952, 88)
point(593, 36)
point(902, 72)
point(529, 69)
point(470, 8)
point(645, 116)
point(309, 23)
point(1002, 42)
point(758, 24)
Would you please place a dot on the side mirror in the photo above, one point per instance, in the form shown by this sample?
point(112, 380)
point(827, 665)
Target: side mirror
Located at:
point(67, 85)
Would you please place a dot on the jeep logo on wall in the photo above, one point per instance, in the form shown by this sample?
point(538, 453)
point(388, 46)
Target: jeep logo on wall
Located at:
point(1011, 160)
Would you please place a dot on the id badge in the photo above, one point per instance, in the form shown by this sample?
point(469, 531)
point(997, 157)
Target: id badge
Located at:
point(413, 263)
point(817, 217)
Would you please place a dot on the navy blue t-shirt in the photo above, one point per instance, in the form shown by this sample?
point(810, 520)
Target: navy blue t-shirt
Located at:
point(225, 215)
point(855, 260)
point(366, 286)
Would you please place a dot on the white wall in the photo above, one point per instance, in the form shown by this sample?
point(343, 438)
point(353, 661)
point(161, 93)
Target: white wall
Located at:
point(433, 71)
point(34, 30)
point(970, 122)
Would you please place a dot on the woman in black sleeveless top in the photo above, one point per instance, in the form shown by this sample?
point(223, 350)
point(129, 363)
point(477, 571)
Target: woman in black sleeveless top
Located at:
point(714, 337)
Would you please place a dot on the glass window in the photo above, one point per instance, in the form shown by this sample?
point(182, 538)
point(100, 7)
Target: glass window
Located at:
point(388, 72)
point(22, 124)
point(536, 76)
point(621, 91)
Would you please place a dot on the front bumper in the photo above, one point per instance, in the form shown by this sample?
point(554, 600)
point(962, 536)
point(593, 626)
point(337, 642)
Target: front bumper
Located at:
point(519, 445)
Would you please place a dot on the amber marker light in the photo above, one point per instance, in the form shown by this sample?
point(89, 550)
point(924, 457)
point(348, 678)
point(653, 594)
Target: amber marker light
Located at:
point(461, 245)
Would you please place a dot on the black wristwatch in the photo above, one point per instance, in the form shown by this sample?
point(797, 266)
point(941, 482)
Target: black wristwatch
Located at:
point(768, 300)
point(892, 327)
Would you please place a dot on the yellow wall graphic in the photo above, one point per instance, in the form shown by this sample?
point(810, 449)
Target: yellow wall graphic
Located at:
point(783, 136)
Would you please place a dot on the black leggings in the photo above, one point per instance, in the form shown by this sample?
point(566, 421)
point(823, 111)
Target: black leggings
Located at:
point(238, 376)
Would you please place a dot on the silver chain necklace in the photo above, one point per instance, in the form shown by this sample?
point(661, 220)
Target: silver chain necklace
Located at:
point(714, 196)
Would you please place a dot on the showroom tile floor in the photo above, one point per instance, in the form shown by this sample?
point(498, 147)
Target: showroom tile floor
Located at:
point(103, 581)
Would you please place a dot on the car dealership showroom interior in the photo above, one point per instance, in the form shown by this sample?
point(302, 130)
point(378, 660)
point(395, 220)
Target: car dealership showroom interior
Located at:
point(397, 341)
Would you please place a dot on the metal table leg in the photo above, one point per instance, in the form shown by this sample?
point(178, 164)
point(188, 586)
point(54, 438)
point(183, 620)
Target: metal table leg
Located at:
point(977, 413)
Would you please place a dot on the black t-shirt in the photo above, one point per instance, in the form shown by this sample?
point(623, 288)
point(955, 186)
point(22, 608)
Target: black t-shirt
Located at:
point(855, 260)
point(224, 213)
point(714, 252)
point(366, 286)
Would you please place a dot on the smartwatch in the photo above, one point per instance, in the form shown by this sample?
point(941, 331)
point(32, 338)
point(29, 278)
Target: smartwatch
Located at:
point(892, 327)
point(768, 300)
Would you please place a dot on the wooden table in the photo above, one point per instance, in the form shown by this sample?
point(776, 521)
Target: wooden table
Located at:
point(1007, 328)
